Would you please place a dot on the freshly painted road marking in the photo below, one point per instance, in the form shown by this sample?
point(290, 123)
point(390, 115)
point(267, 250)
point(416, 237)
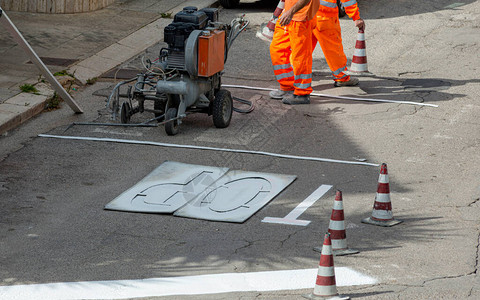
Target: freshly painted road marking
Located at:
point(187, 285)
point(291, 218)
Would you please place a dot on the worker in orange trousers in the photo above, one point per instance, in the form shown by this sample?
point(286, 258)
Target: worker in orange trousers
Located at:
point(291, 51)
point(328, 33)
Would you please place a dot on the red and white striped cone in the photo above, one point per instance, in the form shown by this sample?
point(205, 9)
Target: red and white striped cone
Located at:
point(325, 284)
point(337, 230)
point(382, 209)
point(266, 30)
point(359, 61)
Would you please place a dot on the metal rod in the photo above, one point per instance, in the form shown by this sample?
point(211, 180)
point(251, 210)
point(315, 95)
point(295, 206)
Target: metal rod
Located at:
point(333, 96)
point(116, 124)
point(17, 36)
point(163, 122)
point(206, 148)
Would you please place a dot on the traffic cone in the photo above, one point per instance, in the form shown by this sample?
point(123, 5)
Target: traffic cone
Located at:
point(325, 285)
point(266, 30)
point(336, 229)
point(382, 209)
point(359, 61)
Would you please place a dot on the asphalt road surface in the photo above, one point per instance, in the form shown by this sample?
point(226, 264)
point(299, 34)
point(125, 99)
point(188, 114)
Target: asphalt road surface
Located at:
point(53, 228)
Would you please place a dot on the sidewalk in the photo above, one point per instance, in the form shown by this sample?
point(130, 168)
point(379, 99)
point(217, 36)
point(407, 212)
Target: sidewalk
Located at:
point(86, 45)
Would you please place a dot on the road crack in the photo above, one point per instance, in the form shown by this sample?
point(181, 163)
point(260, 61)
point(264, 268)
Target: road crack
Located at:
point(249, 244)
point(476, 258)
point(291, 235)
point(474, 202)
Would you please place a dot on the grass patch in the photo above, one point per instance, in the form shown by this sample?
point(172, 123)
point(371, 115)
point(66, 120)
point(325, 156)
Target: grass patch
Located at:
point(91, 81)
point(63, 73)
point(29, 88)
point(53, 102)
point(167, 15)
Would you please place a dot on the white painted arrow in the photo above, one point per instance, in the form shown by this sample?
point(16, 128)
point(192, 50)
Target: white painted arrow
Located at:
point(291, 218)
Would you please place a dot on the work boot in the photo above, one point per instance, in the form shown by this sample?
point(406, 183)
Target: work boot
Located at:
point(303, 99)
point(352, 82)
point(288, 97)
point(279, 94)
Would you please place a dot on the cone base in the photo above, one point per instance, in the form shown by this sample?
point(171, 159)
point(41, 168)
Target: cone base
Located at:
point(315, 297)
point(339, 252)
point(264, 37)
point(388, 223)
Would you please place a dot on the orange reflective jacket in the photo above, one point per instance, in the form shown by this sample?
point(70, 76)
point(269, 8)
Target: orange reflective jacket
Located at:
point(329, 8)
point(304, 14)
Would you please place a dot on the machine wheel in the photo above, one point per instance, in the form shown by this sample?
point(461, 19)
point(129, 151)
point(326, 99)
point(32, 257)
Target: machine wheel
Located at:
point(229, 3)
point(222, 109)
point(125, 113)
point(171, 127)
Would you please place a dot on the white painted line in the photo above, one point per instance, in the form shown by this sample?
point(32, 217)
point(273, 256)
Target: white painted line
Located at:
point(205, 148)
point(291, 218)
point(286, 221)
point(187, 285)
point(334, 96)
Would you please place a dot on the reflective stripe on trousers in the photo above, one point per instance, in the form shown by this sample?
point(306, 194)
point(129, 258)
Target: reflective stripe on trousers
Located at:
point(291, 54)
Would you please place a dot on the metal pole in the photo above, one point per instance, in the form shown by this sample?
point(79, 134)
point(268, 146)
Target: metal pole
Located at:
point(17, 36)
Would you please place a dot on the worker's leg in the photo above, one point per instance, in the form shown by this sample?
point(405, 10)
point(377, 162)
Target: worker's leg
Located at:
point(280, 54)
point(301, 57)
point(329, 36)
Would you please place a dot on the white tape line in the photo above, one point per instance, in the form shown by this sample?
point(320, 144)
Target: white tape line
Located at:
point(291, 218)
point(187, 285)
point(333, 96)
point(205, 148)
point(285, 221)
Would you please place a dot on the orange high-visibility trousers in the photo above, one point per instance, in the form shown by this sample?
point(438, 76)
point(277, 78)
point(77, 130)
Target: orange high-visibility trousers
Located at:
point(291, 54)
point(328, 33)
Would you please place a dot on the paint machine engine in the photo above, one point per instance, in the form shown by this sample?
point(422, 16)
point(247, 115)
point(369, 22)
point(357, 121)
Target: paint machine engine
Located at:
point(186, 77)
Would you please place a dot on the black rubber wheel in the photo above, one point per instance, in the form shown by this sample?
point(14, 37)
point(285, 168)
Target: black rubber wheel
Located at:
point(222, 109)
point(341, 10)
point(171, 127)
point(229, 3)
point(159, 105)
point(125, 113)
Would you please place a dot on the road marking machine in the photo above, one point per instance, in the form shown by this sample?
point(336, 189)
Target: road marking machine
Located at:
point(186, 77)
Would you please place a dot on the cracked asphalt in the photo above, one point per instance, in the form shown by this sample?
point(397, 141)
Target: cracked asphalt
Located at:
point(53, 227)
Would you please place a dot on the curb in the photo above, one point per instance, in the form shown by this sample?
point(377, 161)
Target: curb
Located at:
point(23, 106)
point(19, 109)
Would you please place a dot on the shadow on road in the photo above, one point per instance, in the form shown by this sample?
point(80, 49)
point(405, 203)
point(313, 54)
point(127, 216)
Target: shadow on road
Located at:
point(428, 90)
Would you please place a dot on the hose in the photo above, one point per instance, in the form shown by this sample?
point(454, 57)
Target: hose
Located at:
point(244, 101)
point(234, 33)
point(115, 89)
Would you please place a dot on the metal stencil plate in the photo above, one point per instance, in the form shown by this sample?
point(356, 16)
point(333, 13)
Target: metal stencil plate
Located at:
point(236, 196)
point(167, 188)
